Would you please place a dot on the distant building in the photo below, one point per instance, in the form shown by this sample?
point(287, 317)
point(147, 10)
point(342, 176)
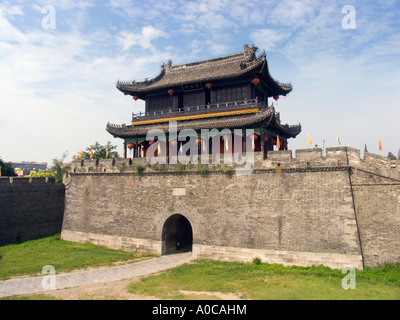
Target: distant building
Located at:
point(26, 167)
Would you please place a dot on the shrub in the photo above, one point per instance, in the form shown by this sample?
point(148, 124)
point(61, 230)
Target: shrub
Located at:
point(139, 168)
point(179, 168)
point(161, 168)
point(122, 168)
point(226, 169)
point(202, 169)
point(256, 261)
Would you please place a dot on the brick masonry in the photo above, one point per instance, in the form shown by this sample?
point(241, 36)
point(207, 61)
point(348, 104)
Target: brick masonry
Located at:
point(30, 208)
point(342, 211)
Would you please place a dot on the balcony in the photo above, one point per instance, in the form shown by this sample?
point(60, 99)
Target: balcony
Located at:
point(205, 109)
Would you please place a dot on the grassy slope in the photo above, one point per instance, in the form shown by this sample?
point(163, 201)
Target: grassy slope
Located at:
point(248, 280)
point(265, 281)
point(30, 257)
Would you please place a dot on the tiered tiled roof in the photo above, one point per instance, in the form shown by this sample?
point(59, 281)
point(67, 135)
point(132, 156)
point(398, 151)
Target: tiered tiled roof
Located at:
point(242, 67)
point(228, 67)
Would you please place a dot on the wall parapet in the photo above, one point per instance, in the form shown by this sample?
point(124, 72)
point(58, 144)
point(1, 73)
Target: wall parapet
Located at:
point(303, 158)
point(27, 180)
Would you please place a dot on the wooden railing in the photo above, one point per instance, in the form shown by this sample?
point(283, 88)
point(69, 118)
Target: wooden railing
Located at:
point(209, 108)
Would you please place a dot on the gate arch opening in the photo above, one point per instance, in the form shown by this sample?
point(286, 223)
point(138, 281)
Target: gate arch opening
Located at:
point(177, 235)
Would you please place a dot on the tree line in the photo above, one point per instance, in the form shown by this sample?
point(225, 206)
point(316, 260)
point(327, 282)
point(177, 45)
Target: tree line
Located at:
point(59, 166)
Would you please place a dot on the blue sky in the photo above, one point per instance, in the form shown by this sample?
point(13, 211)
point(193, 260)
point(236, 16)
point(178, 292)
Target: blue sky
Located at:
point(57, 86)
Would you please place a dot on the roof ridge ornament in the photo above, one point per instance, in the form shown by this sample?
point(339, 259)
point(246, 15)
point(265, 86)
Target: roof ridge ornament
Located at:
point(250, 52)
point(167, 66)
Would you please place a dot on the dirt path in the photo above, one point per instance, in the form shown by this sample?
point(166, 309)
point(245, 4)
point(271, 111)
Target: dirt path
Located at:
point(118, 290)
point(114, 290)
point(102, 278)
point(106, 283)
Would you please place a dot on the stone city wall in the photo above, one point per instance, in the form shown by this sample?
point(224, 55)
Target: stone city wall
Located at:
point(30, 208)
point(303, 216)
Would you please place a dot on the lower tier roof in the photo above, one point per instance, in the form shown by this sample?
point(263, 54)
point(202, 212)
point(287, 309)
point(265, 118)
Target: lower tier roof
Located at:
point(221, 120)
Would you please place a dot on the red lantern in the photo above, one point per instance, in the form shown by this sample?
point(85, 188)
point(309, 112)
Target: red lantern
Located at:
point(255, 81)
point(131, 145)
point(276, 98)
point(136, 98)
point(209, 85)
point(198, 141)
point(225, 138)
point(151, 143)
point(171, 92)
point(254, 137)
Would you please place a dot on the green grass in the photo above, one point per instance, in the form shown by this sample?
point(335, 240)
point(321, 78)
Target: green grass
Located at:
point(28, 258)
point(246, 280)
point(270, 282)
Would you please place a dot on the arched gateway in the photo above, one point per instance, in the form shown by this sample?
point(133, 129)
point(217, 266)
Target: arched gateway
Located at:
point(177, 235)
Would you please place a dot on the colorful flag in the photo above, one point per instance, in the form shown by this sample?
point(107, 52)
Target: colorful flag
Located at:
point(253, 145)
point(337, 138)
point(204, 146)
point(380, 146)
point(226, 144)
point(159, 148)
point(0, 171)
point(40, 172)
point(278, 143)
point(107, 153)
point(309, 140)
point(181, 148)
point(91, 153)
point(80, 155)
point(142, 152)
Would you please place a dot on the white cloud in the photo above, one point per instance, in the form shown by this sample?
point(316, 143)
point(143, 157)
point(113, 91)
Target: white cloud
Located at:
point(57, 92)
point(268, 39)
point(11, 10)
point(128, 40)
point(7, 30)
point(67, 4)
point(293, 13)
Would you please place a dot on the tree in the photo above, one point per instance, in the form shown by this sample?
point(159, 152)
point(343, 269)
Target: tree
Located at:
point(391, 156)
point(41, 174)
point(100, 151)
point(7, 170)
point(59, 168)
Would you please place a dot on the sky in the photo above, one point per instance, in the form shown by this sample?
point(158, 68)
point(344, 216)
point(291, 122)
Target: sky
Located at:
point(60, 61)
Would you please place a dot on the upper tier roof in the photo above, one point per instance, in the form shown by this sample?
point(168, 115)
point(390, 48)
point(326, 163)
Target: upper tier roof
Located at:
point(228, 67)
